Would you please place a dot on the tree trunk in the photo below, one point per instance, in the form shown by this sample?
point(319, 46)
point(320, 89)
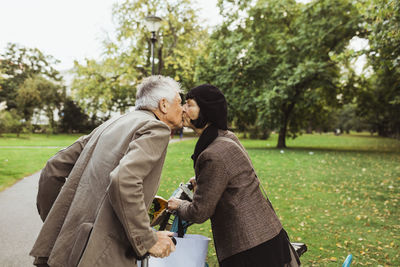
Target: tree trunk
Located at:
point(283, 130)
point(50, 116)
point(282, 137)
point(382, 130)
point(285, 121)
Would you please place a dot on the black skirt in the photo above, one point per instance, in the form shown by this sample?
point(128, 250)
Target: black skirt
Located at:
point(275, 253)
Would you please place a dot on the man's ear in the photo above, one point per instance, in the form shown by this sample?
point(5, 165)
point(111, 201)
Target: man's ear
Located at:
point(163, 105)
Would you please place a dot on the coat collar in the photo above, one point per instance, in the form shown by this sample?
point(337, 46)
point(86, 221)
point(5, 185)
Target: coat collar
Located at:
point(147, 112)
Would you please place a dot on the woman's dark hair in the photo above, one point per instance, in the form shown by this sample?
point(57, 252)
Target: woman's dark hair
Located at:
point(213, 106)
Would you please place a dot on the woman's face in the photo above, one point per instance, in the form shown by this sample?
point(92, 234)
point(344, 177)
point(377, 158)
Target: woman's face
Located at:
point(190, 112)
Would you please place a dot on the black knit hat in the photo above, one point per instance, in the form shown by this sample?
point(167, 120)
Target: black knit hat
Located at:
point(212, 104)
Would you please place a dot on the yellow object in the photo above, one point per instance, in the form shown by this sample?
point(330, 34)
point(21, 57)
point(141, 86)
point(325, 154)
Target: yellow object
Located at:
point(158, 208)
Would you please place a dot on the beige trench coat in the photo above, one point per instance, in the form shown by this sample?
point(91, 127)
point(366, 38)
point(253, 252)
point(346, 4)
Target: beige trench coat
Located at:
point(99, 216)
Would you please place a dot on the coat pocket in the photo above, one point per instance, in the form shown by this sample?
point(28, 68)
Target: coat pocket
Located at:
point(80, 243)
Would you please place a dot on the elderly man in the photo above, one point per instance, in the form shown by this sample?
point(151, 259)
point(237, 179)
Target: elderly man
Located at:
point(98, 215)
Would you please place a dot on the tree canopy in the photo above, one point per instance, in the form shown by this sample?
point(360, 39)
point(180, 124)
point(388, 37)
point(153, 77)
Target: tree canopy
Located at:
point(38, 93)
point(29, 83)
point(378, 98)
point(280, 68)
point(19, 63)
point(109, 84)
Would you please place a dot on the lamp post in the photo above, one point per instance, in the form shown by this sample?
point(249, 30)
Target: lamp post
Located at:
point(152, 23)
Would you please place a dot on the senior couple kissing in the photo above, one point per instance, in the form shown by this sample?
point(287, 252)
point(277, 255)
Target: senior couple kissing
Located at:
point(94, 195)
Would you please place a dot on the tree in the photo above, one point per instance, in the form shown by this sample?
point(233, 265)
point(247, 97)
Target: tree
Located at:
point(279, 70)
point(108, 85)
point(38, 93)
point(104, 86)
point(19, 63)
point(73, 119)
point(349, 120)
point(28, 98)
point(379, 98)
point(10, 122)
point(181, 38)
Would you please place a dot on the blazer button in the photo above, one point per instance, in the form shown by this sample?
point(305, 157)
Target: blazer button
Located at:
point(141, 247)
point(137, 239)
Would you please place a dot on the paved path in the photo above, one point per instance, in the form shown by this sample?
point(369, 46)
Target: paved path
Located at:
point(19, 221)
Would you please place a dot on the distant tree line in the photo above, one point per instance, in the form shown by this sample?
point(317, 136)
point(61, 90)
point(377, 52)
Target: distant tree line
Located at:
point(29, 87)
point(284, 66)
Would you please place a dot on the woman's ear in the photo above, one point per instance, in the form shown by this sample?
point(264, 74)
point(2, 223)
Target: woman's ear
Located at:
point(163, 105)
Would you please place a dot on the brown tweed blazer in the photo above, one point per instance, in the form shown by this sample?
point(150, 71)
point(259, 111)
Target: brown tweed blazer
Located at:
point(228, 192)
point(99, 216)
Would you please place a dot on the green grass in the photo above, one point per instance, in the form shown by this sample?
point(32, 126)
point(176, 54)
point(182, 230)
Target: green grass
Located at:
point(60, 140)
point(19, 157)
point(338, 194)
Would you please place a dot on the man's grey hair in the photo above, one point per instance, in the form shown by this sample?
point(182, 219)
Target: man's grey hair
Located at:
point(154, 88)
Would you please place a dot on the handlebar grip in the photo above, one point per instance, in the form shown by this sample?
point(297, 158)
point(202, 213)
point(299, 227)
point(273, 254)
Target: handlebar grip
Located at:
point(173, 240)
point(190, 185)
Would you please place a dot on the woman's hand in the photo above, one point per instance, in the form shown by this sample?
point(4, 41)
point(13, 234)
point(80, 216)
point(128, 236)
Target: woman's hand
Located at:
point(193, 182)
point(173, 203)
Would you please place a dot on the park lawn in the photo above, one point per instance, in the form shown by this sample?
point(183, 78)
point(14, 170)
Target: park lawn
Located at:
point(59, 140)
point(338, 194)
point(27, 154)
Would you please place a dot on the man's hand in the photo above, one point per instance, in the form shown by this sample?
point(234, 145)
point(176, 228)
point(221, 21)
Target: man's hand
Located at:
point(164, 245)
point(173, 203)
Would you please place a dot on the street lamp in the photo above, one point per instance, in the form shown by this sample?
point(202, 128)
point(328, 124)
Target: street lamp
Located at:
point(152, 23)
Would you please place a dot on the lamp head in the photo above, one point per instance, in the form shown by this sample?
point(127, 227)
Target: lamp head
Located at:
point(152, 23)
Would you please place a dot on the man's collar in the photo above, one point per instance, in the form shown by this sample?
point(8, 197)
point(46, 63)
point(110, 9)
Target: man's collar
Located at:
point(148, 112)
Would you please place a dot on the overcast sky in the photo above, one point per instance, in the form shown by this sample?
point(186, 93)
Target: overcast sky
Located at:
point(73, 29)
point(67, 29)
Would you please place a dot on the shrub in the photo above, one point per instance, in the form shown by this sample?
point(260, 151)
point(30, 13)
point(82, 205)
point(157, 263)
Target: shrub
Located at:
point(10, 122)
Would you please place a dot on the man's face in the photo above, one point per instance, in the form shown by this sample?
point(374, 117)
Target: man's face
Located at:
point(174, 113)
point(190, 112)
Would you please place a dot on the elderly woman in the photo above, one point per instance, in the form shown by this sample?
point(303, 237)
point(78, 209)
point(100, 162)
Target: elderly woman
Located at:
point(246, 229)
